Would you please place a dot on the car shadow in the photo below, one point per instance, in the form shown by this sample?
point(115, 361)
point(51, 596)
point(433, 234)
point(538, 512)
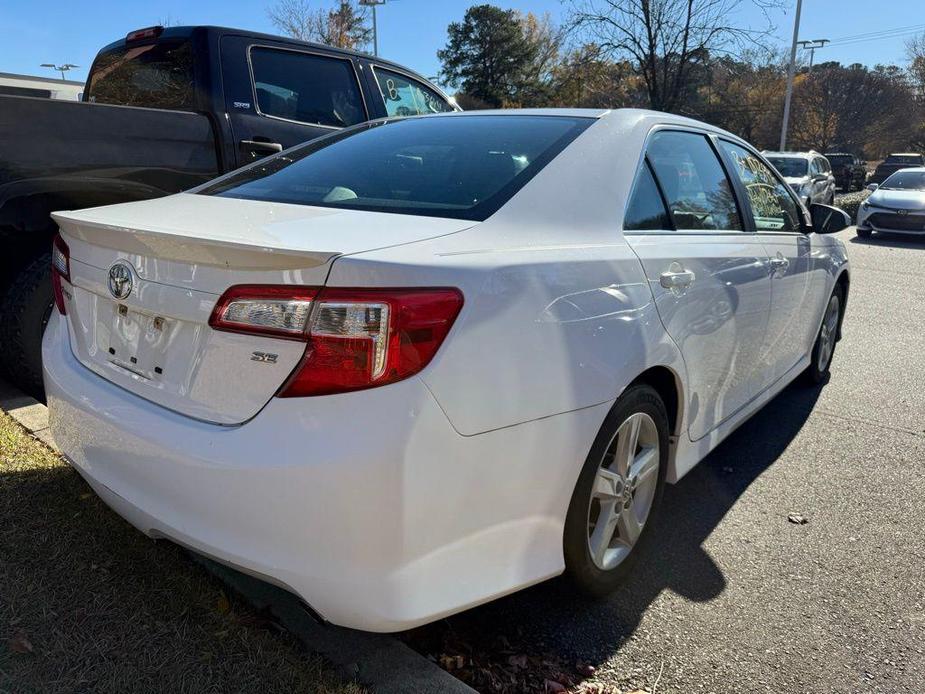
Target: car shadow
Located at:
point(890, 240)
point(552, 618)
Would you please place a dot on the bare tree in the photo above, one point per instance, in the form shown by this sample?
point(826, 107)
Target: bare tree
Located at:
point(665, 40)
point(344, 26)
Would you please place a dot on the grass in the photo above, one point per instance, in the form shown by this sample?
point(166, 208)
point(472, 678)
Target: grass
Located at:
point(87, 603)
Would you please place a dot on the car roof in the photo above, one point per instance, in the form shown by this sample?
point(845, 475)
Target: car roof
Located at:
point(913, 169)
point(620, 116)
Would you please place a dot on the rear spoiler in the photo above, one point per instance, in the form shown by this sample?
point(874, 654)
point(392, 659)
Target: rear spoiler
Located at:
point(176, 245)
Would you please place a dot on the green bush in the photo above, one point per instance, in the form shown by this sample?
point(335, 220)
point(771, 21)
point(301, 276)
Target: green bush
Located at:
point(850, 202)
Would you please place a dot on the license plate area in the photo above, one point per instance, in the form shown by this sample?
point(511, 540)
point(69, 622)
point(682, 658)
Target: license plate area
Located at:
point(136, 341)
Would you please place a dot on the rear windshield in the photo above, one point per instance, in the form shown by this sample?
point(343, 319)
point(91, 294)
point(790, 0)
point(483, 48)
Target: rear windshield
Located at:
point(790, 167)
point(903, 159)
point(839, 159)
point(905, 180)
point(465, 167)
point(156, 75)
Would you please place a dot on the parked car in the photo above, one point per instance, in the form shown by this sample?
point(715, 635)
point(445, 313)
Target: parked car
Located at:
point(808, 173)
point(850, 171)
point(421, 363)
point(211, 99)
point(897, 206)
point(894, 163)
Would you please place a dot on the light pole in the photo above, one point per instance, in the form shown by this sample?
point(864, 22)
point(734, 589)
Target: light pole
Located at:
point(811, 46)
point(373, 4)
point(60, 68)
point(791, 68)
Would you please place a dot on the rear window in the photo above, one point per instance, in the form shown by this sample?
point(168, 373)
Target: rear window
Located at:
point(903, 159)
point(839, 159)
point(464, 167)
point(156, 75)
point(791, 167)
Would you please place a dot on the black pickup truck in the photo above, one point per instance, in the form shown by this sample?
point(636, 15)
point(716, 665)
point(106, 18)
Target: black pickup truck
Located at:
point(894, 163)
point(849, 171)
point(164, 110)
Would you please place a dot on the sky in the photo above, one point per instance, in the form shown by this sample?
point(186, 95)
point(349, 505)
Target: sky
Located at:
point(410, 31)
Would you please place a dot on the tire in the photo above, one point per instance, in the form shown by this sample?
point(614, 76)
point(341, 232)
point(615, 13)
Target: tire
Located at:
point(824, 348)
point(639, 409)
point(26, 308)
point(863, 233)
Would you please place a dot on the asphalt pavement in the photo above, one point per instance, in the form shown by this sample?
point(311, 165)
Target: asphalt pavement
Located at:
point(731, 596)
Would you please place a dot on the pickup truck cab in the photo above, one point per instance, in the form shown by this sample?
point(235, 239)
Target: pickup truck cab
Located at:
point(165, 109)
point(895, 162)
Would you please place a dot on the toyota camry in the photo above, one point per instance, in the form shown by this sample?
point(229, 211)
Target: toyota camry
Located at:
point(422, 363)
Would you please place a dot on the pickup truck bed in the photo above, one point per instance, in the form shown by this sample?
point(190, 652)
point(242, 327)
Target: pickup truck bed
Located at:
point(96, 153)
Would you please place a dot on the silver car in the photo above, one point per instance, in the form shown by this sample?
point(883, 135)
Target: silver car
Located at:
point(809, 174)
point(896, 206)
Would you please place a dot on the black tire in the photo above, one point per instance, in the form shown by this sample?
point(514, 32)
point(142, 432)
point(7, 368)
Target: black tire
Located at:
point(26, 308)
point(863, 233)
point(579, 564)
point(817, 372)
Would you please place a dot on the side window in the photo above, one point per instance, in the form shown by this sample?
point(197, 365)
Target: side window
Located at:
point(772, 205)
point(405, 97)
point(646, 210)
point(815, 167)
point(698, 193)
point(307, 88)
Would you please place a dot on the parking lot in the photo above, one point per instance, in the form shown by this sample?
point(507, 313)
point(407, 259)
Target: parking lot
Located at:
point(733, 597)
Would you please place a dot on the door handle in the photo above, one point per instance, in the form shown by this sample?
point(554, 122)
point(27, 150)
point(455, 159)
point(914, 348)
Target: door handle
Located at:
point(676, 279)
point(779, 264)
point(263, 147)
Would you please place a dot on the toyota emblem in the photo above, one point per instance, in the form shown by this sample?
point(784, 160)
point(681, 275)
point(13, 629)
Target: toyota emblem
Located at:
point(120, 280)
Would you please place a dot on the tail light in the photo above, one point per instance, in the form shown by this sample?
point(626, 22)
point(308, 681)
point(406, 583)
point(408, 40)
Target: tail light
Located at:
point(60, 269)
point(356, 338)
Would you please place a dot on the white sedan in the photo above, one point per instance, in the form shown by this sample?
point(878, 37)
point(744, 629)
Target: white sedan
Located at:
point(896, 206)
point(422, 363)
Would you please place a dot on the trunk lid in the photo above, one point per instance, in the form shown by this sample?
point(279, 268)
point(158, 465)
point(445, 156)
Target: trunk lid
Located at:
point(172, 258)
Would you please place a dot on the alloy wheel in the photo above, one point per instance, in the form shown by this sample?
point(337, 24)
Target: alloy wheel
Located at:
point(828, 332)
point(623, 492)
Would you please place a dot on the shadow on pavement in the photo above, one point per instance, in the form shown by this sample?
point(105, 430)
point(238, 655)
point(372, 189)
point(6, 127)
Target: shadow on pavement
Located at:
point(552, 618)
point(891, 240)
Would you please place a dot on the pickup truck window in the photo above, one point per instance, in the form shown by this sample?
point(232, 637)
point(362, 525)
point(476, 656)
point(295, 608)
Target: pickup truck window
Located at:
point(158, 75)
point(306, 88)
point(405, 97)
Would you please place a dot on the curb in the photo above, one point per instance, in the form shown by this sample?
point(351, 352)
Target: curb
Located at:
point(380, 662)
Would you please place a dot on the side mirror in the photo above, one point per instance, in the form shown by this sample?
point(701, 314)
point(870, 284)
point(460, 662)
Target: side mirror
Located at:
point(872, 187)
point(828, 219)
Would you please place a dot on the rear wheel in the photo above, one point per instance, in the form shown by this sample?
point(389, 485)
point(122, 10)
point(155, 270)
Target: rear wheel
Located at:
point(26, 309)
point(818, 371)
point(618, 492)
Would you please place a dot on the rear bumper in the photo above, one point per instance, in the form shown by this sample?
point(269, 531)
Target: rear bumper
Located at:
point(367, 505)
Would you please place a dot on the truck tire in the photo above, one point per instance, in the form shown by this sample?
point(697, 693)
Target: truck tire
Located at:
point(25, 311)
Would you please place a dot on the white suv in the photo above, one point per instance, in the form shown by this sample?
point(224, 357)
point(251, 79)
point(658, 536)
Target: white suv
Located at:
point(808, 173)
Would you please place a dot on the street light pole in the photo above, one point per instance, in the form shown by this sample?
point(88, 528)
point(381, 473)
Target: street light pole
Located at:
point(790, 71)
point(373, 4)
point(811, 46)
